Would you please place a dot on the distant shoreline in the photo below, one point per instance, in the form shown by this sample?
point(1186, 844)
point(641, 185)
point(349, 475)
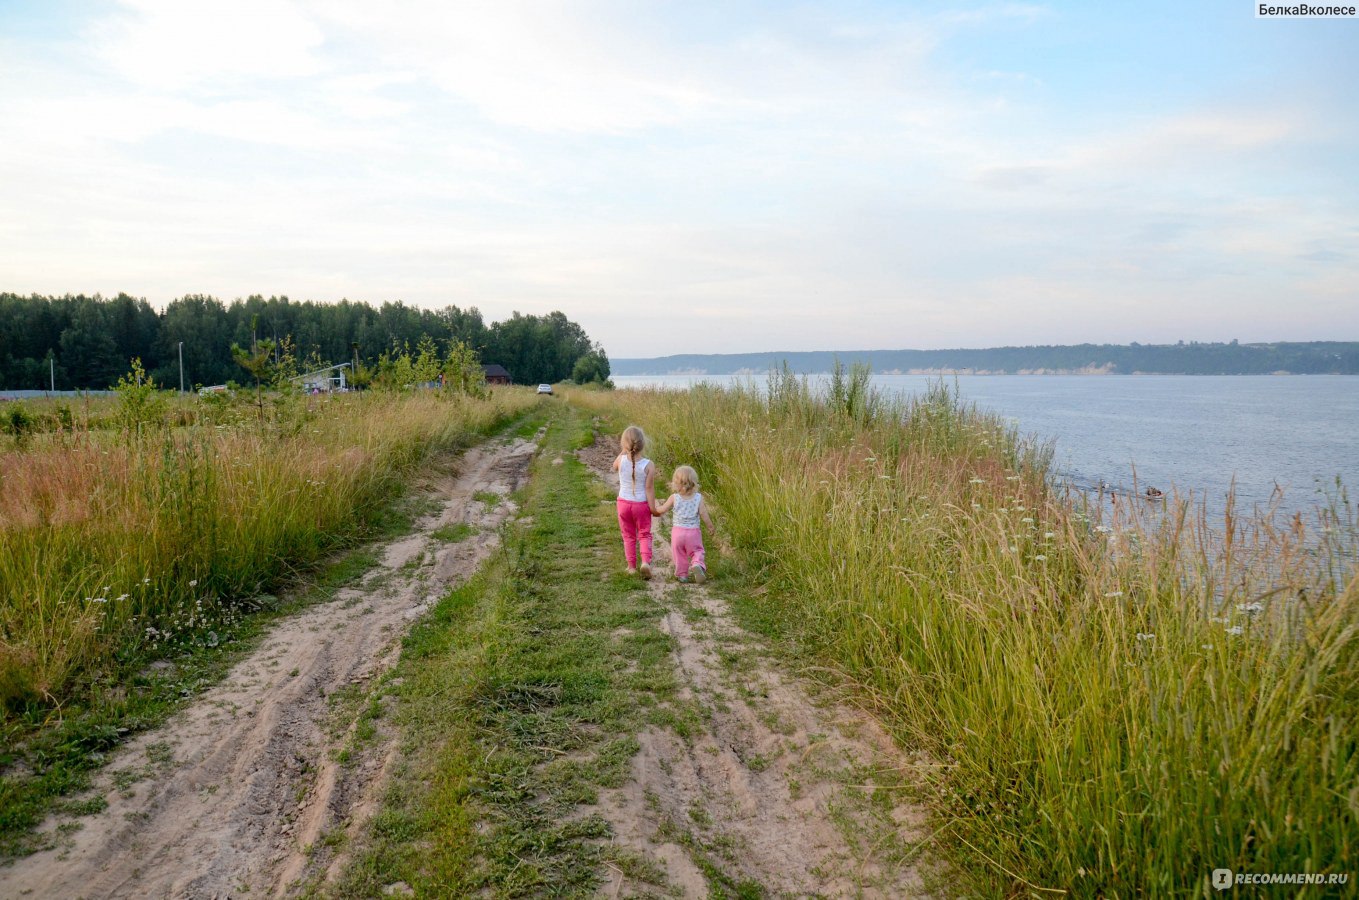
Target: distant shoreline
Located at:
point(1282, 358)
point(1038, 373)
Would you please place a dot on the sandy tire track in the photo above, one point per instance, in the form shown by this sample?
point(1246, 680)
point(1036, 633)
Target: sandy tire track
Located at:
point(782, 786)
point(233, 794)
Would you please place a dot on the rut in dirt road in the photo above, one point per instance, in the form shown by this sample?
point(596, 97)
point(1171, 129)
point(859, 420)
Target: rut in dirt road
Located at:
point(780, 789)
point(242, 792)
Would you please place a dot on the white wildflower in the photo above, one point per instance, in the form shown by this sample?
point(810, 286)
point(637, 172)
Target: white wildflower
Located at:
point(1235, 629)
point(976, 481)
point(1112, 594)
point(1250, 609)
point(1145, 636)
point(1040, 558)
point(193, 583)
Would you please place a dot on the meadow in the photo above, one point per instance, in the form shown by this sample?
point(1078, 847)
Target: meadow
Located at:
point(137, 526)
point(1115, 701)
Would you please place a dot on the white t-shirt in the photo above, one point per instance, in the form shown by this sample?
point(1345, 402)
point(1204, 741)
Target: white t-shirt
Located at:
point(627, 478)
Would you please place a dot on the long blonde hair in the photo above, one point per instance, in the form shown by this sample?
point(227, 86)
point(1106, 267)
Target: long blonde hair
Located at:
point(633, 442)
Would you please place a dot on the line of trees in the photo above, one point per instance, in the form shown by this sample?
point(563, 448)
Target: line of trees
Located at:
point(1183, 358)
point(89, 340)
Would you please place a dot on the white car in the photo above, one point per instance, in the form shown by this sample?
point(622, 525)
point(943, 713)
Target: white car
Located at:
point(544, 388)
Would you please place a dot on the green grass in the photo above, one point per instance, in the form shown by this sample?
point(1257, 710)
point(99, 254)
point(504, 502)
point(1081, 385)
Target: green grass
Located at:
point(137, 683)
point(1115, 707)
point(518, 704)
point(43, 765)
point(489, 498)
point(458, 531)
point(114, 544)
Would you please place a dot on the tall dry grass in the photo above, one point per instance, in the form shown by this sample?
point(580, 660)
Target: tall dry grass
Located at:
point(1117, 702)
point(116, 542)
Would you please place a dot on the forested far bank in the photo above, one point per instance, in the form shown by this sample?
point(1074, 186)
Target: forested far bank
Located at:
point(1181, 358)
point(85, 342)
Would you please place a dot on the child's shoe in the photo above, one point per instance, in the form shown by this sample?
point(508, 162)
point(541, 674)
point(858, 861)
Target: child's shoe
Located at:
point(682, 579)
point(700, 574)
point(645, 571)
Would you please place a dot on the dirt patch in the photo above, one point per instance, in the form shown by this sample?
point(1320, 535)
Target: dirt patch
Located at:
point(258, 785)
point(769, 781)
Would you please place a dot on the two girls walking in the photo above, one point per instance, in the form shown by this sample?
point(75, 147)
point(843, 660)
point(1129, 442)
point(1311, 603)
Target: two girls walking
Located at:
point(637, 504)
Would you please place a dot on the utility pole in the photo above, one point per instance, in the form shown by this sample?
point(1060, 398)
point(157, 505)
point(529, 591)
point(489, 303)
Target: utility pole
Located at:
point(181, 367)
point(52, 360)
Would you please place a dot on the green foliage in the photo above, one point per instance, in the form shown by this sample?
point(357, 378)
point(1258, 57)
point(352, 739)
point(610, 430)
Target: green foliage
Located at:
point(140, 402)
point(258, 360)
point(426, 366)
point(1114, 706)
point(457, 373)
point(591, 368)
point(850, 394)
point(17, 421)
point(91, 337)
point(462, 370)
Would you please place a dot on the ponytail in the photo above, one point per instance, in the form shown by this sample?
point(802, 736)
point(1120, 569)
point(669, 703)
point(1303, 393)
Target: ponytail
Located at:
point(633, 441)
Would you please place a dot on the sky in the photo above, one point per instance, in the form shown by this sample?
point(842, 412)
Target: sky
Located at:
point(698, 177)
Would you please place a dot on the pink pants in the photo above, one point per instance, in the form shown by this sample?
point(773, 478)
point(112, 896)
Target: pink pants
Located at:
point(634, 520)
point(686, 547)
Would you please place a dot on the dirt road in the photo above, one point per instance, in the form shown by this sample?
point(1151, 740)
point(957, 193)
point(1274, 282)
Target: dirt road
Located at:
point(248, 790)
point(799, 792)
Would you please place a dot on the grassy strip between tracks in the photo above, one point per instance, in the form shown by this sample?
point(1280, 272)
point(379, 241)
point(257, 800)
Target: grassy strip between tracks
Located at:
point(520, 695)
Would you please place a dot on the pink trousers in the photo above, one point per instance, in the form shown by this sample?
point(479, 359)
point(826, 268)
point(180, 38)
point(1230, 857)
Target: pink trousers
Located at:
point(634, 520)
point(686, 548)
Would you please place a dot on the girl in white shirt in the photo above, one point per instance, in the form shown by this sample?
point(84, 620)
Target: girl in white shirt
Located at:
point(636, 498)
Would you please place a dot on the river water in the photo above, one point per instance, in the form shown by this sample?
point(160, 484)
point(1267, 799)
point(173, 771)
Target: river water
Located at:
point(1191, 433)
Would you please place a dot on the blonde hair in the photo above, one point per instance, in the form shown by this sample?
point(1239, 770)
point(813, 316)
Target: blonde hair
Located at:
point(684, 480)
point(633, 443)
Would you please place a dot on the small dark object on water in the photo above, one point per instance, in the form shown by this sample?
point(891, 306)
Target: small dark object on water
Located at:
point(1154, 493)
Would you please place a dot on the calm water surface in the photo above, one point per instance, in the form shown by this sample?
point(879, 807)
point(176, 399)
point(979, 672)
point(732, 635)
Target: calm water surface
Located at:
point(1187, 432)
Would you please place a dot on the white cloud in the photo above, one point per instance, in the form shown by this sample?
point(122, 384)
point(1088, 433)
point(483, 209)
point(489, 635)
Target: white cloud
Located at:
point(173, 45)
point(542, 66)
point(797, 179)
